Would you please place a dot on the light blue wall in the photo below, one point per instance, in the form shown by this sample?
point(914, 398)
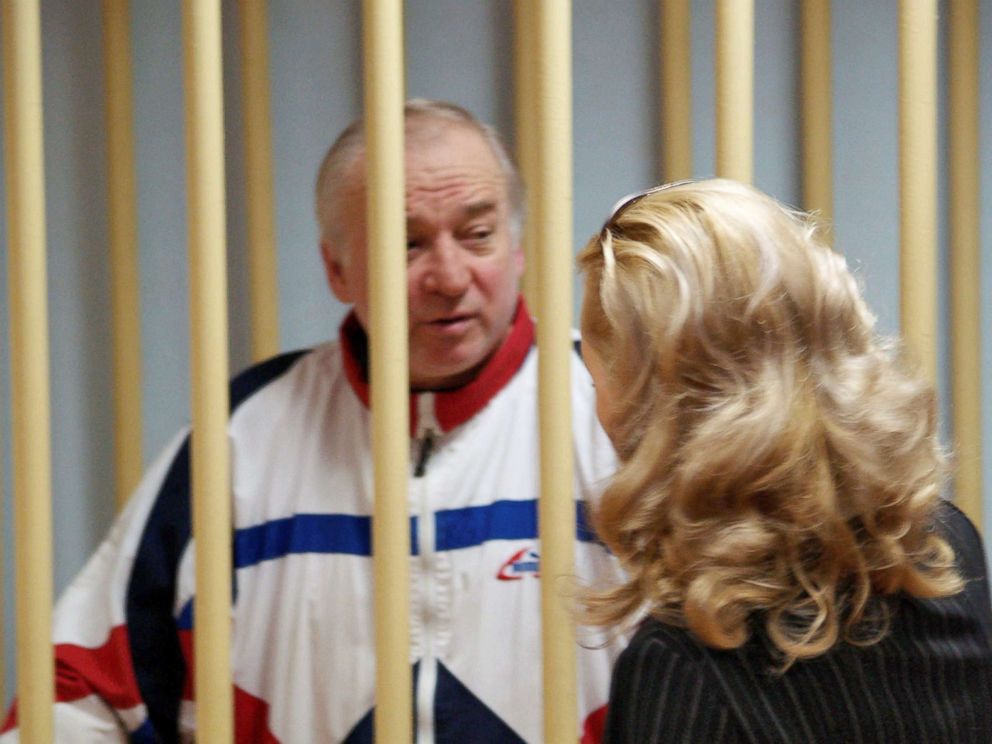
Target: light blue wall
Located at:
point(457, 50)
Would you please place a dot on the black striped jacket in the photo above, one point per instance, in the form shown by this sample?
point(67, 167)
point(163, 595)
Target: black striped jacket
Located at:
point(929, 680)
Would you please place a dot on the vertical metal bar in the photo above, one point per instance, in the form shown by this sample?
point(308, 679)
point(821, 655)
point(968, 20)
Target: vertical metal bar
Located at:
point(263, 269)
point(735, 89)
point(965, 286)
point(525, 117)
point(208, 321)
point(29, 366)
point(556, 513)
point(383, 43)
point(918, 178)
point(123, 228)
point(3, 592)
point(676, 88)
point(817, 82)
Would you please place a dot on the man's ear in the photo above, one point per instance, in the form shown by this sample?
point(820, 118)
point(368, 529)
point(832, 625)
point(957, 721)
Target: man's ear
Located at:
point(337, 277)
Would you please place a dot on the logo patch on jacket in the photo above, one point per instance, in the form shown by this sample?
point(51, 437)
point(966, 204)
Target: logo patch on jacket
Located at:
point(521, 563)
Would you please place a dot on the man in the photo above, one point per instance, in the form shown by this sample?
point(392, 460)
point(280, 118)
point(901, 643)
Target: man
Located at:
point(303, 656)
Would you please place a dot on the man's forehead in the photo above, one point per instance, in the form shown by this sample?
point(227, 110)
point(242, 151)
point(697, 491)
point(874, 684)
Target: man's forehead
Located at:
point(460, 154)
point(450, 163)
point(425, 170)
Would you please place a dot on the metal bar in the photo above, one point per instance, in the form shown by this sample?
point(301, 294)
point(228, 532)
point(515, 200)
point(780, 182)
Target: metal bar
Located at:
point(29, 366)
point(735, 89)
point(122, 220)
point(263, 268)
point(556, 511)
point(964, 202)
point(208, 321)
point(817, 82)
point(3, 592)
point(676, 88)
point(389, 366)
point(918, 179)
point(525, 117)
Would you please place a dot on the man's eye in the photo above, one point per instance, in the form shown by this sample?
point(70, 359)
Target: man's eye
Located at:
point(480, 234)
point(412, 244)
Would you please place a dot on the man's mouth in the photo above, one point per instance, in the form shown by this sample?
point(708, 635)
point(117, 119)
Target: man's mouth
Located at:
point(451, 323)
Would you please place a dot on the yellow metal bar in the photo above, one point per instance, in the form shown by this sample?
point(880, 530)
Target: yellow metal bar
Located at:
point(556, 512)
point(964, 204)
point(29, 366)
point(3, 603)
point(122, 221)
point(676, 88)
point(383, 43)
point(263, 268)
point(817, 82)
point(208, 321)
point(735, 89)
point(918, 178)
point(525, 117)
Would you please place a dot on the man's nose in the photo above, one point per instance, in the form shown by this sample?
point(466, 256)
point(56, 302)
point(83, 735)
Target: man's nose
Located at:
point(448, 272)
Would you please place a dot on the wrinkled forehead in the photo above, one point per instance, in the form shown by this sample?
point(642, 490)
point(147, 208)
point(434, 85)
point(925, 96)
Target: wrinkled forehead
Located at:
point(450, 178)
point(444, 167)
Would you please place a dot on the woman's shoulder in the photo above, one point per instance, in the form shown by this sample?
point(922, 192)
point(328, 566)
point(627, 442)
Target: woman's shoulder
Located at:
point(653, 633)
point(949, 515)
point(964, 539)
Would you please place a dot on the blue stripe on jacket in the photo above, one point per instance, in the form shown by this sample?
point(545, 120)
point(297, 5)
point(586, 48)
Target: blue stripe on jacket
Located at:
point(345, 534)
point(351, 535)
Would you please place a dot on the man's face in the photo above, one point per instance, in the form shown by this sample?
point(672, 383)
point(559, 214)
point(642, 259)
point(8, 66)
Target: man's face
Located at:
point(463, 264)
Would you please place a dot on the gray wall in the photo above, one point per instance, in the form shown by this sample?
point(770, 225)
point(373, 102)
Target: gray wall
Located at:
point(457, 50)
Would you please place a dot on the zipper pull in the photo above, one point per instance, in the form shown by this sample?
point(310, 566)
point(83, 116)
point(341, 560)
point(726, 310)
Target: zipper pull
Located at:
point(426, 446)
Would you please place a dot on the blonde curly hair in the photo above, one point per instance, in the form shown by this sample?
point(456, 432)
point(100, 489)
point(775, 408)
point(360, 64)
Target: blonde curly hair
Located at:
point(779, 462)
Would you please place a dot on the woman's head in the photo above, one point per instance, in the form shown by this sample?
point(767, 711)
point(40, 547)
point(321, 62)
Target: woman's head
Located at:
point(772, 446)
point(713, 292)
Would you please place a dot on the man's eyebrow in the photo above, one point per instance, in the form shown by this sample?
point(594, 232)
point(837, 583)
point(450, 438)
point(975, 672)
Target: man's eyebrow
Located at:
point(469, 211)
point(478, 208)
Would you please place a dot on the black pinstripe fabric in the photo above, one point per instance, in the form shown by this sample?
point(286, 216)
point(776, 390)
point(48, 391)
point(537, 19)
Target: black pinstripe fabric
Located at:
point(929, 680)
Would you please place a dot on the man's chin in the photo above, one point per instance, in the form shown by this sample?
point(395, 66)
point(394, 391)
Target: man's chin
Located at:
point(445, 374)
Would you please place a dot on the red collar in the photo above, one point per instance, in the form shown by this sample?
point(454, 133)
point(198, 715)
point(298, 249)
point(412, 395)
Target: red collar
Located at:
point(451, 407)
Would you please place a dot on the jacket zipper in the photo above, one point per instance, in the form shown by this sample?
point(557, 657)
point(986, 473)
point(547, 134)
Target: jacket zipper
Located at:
point(426, 448)
point(427, 676)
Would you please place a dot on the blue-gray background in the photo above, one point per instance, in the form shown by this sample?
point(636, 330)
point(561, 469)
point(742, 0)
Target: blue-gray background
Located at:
point(455, 49)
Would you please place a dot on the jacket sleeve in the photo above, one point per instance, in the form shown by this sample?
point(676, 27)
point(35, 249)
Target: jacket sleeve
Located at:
point(115, 623)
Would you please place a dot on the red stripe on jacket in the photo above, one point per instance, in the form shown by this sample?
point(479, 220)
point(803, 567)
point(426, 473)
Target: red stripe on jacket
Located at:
point(105, 671)
point(251, 714)
point(592, 731)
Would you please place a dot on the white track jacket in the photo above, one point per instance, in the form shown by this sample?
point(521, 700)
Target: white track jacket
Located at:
point(302, 622)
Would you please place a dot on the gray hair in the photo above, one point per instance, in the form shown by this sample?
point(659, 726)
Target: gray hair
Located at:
point(418, 114)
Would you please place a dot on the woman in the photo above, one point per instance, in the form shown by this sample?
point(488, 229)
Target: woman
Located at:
point(777, 508)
